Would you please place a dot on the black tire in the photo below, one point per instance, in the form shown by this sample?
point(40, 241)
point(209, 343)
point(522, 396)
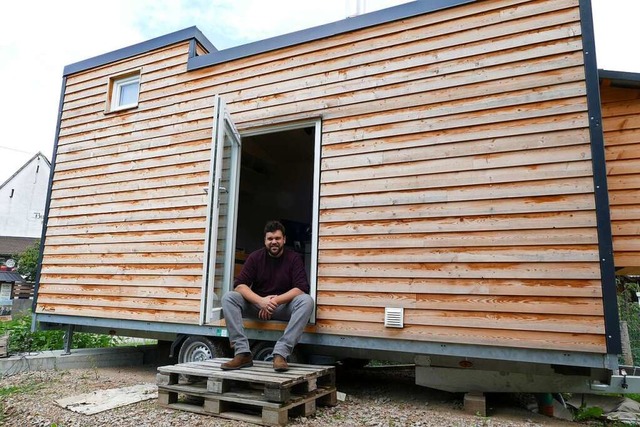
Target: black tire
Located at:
point(198, 348)
point(263, 350)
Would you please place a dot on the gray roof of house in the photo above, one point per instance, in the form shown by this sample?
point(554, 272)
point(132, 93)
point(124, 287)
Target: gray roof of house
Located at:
point(10, 276)
point(10, 245)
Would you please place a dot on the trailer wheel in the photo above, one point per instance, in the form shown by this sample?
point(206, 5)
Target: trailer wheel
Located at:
point(199, 348)
point(263, 350)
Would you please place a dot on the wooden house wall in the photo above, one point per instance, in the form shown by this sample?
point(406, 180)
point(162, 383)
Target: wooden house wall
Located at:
point(125, 232)
point(620, 112)
point(456, 179)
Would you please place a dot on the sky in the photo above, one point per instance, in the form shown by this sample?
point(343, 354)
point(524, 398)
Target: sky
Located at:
point(38, 38)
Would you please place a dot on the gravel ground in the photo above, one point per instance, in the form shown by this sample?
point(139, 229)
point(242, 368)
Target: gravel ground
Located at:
point(375, 397)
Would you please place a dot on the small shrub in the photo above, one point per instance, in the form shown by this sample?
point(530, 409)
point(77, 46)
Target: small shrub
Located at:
point(22, 340)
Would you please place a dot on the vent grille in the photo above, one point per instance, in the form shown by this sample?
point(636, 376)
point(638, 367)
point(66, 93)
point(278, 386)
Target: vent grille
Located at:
point(394, 317)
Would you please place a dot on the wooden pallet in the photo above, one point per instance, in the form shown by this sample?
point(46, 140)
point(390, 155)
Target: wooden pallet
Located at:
point(256, 394)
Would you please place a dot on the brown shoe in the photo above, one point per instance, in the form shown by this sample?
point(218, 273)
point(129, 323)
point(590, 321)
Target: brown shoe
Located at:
point(241, 360)
point(280, 363)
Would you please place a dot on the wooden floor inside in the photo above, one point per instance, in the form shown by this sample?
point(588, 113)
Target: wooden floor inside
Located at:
point(255, 394)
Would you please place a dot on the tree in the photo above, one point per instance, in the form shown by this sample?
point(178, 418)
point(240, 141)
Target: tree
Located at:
point(28, 262)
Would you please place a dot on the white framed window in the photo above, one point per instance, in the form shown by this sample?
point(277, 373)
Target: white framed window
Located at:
point(123, 91)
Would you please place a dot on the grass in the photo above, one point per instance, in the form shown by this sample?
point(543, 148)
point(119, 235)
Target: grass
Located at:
point(23, 340)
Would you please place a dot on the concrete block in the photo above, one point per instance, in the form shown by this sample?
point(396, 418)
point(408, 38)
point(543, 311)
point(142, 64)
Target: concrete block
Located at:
point(475, 403)
point(78, 359)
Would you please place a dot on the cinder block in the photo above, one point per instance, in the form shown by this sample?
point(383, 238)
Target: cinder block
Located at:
point(475, 403)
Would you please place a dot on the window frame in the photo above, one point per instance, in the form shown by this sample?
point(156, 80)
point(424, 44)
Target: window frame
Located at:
point(116, 83)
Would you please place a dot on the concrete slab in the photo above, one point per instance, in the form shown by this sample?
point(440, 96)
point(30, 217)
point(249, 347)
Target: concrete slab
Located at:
point(86, 358)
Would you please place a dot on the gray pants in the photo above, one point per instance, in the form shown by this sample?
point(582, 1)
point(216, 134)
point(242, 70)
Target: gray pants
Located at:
point(297, 312)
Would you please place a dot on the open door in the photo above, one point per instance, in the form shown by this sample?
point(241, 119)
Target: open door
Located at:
point(221, 213)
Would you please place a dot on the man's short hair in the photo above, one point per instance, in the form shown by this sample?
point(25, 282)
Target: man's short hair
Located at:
point(272, 226)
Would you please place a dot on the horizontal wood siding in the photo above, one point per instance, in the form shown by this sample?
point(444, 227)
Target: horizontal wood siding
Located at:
point(456, 177)
point(125, 233)
point(620, 112)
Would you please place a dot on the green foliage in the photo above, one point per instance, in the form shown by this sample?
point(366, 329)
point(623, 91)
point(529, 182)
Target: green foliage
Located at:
point(28, 262)
point(590, 413)
point(22, 340)
point(629, 310)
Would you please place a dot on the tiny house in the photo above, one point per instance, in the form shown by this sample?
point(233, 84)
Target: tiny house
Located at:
point(441, 166)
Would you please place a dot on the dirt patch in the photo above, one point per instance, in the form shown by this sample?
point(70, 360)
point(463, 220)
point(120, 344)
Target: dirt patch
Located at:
point(375, 397)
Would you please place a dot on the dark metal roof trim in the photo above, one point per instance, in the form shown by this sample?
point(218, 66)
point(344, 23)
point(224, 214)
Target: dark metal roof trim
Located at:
point(140, 48)
point(601, 192)
point(619, 75)
point(621, 78)
point(327, 30)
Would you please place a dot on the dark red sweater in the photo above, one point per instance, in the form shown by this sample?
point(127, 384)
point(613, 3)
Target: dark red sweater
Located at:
point(267, 275)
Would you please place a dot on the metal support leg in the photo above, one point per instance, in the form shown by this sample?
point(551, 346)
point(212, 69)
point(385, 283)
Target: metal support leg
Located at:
point(68, 339)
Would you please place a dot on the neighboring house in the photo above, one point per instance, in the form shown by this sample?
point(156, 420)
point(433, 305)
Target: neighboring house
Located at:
point(22, 200)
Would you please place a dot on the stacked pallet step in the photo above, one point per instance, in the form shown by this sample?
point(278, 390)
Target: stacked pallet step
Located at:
point(256, 394)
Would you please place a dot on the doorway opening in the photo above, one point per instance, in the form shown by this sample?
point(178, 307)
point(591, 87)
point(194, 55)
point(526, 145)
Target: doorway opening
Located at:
point(277, 175)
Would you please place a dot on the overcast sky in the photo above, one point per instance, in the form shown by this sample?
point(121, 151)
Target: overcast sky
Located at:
point(38, 38)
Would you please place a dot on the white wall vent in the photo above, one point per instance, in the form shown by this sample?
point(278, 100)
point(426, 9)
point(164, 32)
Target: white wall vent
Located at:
point(394, 317)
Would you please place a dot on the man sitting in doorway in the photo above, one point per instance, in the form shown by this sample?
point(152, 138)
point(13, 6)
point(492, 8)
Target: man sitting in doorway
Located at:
point(271, 285)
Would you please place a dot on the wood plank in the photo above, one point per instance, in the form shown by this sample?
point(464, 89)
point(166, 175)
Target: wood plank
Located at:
point(629, 227)
point(627, 136)
point(591, 343)
point(482, 303)
point(136, 269)
point(201, 178)
point(467, 271)
point(127, 281)
point(134, 196)
point(560, 203)
point(116, 208)
point(338, 157)
point(121, 291)
point(137, 166)
point(102, 159)
point(539, 128)
point(169, 213)
point(394, 239)
point(523, 287)
point(141, 314)
point(471, 172)
point(469, 319)
point(462, 120)
point(475, 192)
point(132, 237)
point(626, 243)
point(450, 108)
point(462, 224)
point(567, 253)
point(624, 197)
point(159, 304)
point(126, 259)
point(427, 65)
point(625, 212)
point(452, 163)
point(129, 226)
point(432, 81)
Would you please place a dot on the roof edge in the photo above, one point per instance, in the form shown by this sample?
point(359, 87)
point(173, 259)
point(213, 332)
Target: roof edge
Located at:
point(382, 16)
point(137, 49)
point(619, 75)
point(39, 153)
